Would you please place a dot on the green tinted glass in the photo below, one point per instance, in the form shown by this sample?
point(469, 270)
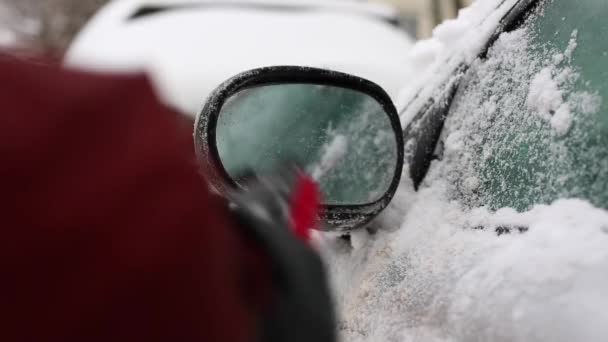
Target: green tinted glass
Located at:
point(342, 137)
point(529, 123)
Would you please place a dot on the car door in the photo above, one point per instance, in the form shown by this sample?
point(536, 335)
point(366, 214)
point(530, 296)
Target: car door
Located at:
point(526, 123)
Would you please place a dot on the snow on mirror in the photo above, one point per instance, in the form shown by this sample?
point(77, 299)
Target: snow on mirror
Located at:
point(343, 138)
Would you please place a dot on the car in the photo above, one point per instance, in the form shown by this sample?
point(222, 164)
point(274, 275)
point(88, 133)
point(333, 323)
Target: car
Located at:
point(189, 47)
point(499, 229)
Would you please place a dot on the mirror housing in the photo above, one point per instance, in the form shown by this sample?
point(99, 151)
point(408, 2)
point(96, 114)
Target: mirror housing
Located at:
point(337, 217)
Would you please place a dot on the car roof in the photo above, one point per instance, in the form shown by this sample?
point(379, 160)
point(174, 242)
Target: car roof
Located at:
point(188, 52)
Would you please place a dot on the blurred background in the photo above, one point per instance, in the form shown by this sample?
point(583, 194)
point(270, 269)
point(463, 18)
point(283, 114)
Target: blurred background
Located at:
point(421, 16)
point(50, 25)
point(47, 25)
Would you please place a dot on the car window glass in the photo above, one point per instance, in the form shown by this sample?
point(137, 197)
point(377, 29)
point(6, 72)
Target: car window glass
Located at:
point(529, 123)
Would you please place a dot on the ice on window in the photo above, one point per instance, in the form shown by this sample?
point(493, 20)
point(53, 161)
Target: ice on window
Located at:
point(520, 125)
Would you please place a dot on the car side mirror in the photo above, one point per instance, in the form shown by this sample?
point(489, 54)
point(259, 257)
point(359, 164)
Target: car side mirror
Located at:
point(343, 130)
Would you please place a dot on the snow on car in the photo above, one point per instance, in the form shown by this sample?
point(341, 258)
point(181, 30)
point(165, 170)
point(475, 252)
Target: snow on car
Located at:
point(190, 47)
point(500, 232)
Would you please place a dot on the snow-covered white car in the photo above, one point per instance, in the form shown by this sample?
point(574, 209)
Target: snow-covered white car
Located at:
point(189, 47)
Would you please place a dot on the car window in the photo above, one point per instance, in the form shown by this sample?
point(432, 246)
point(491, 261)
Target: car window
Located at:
point(528, 123)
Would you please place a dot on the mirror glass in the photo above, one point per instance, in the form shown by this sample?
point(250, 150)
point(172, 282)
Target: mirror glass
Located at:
point(343, 138)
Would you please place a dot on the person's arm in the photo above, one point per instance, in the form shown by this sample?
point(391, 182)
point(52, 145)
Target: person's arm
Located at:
point(108, 232)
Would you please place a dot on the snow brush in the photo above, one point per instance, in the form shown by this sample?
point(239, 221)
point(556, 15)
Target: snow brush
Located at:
point(288, 198)
point(278, 211)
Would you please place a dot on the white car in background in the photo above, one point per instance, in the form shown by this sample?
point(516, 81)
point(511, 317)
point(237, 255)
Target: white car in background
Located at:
point(189, 47)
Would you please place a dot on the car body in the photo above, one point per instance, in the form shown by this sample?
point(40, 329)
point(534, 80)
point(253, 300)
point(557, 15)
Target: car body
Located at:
point(189, 47)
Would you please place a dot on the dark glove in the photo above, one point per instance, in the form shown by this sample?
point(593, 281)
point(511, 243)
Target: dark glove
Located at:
point(270, 208)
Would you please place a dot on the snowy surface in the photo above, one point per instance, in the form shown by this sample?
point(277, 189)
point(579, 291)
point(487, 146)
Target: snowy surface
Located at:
point(332, 154)
point(437, 279)
point(545, 96)
point(454, 42)
point(190, 52)
point(439, 269)
point(546, 99)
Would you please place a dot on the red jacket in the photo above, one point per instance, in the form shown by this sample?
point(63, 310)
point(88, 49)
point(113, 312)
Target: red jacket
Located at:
point(108, 231)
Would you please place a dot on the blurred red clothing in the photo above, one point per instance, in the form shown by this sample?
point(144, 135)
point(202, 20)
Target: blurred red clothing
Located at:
point(108, 231)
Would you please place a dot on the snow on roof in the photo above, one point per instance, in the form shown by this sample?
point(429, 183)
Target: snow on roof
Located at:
point(188, 53)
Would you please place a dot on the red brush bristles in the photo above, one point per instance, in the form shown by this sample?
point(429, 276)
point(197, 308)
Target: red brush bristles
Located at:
point(305, 205)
